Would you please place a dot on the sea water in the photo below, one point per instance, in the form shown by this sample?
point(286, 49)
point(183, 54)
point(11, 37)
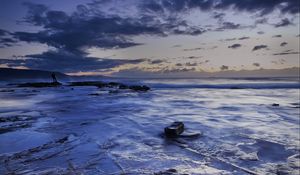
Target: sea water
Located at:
point(246, 125)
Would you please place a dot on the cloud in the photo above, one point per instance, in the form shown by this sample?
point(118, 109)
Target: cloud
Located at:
point(264, 7)
point(283, 44)
point(193, 49)
point(278, 62)
point(235, 46)
point(67, 62)
point(261, 21)
point(284, 22)
point(87, 27)
point(177, 45)
point(218, 16)
point(191, 64)
point(223, 67)
point(176, 70)
point(259, 47)
point(229, 39)
point(228, 25)
point(156, 61)
point(287, 53)
point(6, 40)
point(276, 36)
point(244, 38)
point(256, 64)
point(260, 32)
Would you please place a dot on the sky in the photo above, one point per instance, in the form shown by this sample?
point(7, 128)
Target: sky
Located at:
point(112, 37)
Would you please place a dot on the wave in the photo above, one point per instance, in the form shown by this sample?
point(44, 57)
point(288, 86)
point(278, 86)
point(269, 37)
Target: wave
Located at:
point(229, 86)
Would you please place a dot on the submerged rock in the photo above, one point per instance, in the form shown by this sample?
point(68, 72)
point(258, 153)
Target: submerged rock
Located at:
point(40, 84)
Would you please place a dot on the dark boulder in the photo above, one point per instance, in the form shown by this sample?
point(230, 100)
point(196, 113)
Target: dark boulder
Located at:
point(174, 130)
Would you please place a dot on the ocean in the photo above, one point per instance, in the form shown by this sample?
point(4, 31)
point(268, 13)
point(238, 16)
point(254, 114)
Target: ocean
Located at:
point(246, 126)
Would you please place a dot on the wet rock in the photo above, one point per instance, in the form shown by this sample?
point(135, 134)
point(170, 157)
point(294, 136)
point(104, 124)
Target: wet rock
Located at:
point(123, 86)
point(174, 130)
point(14, 118)
point(12, 123)
point(275, 104)
point(40, 84)
point(98, 84)
point(139, 88)
point(62, 140)
point(7, 90)
point(235, 87)
point(169, 172)
point(88, 83)
point(113, 84)
point(95, 94)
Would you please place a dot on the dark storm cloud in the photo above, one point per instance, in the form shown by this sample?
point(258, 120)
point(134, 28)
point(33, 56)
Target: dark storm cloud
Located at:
point(223, 67)
point(256, 64)
point(284, 22)
point(73, 33)
point(258, 47)
point(67, 62)
point(283, 44)
point(234, 46)
point(276, 36)
point(87, 27)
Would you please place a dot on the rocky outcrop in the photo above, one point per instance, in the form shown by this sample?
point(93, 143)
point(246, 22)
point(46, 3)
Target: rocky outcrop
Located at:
point(116, 85)
point(40, 84)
